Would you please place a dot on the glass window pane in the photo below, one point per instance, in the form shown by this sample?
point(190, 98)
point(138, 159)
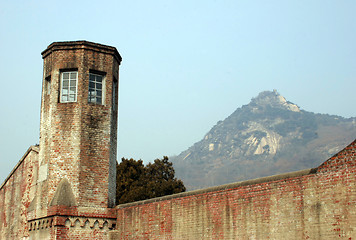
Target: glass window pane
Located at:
point(98, 93)
point(73, 83)
point(99, 78)
point(65, 83)
point(71, 97)
point(72, 90)
point(98, 100)
point(73, 75)
point(65, 75)
point(91, 85)
point(98, 85)
point(91, 77)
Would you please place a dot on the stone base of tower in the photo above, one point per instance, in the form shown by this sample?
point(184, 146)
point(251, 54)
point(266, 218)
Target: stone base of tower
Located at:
point(73, 223)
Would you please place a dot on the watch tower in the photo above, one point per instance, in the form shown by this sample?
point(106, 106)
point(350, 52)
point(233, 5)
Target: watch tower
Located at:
point(78, 131)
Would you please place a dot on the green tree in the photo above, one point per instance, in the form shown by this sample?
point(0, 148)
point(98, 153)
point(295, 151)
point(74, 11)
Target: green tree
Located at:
point(138, 182)
point(129, 184)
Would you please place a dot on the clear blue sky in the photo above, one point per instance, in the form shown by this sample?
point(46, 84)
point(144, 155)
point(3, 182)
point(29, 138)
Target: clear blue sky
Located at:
point(186, 64)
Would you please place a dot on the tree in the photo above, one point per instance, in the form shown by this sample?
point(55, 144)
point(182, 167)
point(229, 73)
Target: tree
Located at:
point(138, 182)
point(129, 184)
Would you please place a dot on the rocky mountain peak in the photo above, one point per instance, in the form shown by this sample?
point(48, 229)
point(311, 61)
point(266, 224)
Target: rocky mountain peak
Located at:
point(274, 99)
point(269, 135)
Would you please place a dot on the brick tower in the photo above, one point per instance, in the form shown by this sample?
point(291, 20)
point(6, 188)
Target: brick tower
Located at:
point(78, 132)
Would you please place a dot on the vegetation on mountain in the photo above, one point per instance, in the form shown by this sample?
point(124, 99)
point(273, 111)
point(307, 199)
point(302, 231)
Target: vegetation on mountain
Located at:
point(138, 182)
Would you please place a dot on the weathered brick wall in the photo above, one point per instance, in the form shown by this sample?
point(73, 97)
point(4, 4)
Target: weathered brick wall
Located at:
point(312, 204)
point(16, 194)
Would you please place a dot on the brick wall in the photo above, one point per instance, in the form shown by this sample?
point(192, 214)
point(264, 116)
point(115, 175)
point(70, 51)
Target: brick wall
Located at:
point(311, 204)
point(16, 194)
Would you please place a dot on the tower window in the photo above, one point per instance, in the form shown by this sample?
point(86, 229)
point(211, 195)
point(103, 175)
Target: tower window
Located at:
point(47, 87)
point(114, 92)
point(96, 83)
point(69, 82)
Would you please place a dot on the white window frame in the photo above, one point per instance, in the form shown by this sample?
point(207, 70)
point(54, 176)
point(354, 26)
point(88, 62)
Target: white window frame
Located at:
point(66, 94)
point(94, 89)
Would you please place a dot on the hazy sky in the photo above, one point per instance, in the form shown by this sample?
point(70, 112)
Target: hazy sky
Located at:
point(186, 64)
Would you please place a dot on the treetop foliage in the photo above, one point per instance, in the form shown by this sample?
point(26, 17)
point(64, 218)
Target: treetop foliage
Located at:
point(137, 182)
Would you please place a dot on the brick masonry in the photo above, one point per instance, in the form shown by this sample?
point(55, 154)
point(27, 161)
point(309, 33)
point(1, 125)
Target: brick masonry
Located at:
point(16, 194)
point(311, 204)
point(65, 187)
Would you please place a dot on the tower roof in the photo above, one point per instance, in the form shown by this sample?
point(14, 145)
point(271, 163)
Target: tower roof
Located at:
point(69, 45)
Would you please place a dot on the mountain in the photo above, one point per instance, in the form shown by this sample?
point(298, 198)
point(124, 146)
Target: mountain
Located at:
point(268, 136)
